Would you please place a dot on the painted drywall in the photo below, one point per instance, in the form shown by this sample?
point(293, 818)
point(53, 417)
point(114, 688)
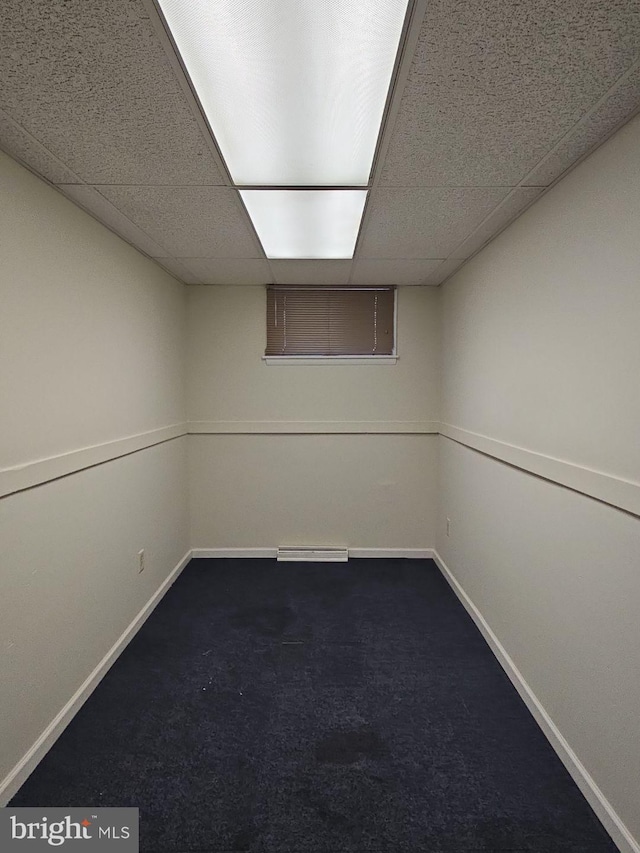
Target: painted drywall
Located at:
point(541, 329)
point(357, 491)
point(555, 574)
point(91, 348)
point(229, 381)
point(363, 490)
point(91, 332)
point(70, 581)
point(541, 350)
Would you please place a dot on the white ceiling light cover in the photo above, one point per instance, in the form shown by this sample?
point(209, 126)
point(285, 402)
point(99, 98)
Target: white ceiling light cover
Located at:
point(306, 223)
point(294, 90)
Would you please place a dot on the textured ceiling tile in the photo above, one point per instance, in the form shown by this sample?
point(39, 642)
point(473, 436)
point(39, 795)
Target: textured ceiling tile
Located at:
point(311, 271)
point(494, 85)
point(176, 268)
point(499, 219)
point(623, 102)
point(20, 145)
point(229, 270)
point(90, 81)
point(444, 271)
point(394, 271)
point(199, 222)
point(426, 222)
point(90, 199)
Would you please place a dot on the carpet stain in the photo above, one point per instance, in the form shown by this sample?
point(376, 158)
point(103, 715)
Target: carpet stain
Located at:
point(326, 812)
point(347, 747)
point(243, 840)
point(267, 621)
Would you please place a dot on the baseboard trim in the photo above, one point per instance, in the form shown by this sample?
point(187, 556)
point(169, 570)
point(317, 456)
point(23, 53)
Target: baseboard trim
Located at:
point(224, 553)
point(27, 764)
point(312, 427)
point(272, 553)
point(392, 553)
point(596, 799)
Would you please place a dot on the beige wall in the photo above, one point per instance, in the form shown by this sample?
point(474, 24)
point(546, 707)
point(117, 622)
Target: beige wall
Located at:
point(91, 353)
point(543, 343)
point(91, 332)
point(541, 351)
point(70, 582)
point(263, 488)
point(357, 491)
point(229, 381)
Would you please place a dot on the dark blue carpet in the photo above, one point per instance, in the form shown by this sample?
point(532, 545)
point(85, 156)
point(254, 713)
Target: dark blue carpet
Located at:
point(316, 707)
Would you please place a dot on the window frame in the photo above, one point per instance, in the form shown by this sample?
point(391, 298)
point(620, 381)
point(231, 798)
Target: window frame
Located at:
point(311, 360)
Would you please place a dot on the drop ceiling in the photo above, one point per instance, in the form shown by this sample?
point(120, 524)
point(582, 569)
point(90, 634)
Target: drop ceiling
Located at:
point(493, 102)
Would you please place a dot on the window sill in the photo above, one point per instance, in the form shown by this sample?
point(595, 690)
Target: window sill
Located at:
point(308, 360)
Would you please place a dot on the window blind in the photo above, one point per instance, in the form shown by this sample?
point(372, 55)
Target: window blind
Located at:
point(330, 321)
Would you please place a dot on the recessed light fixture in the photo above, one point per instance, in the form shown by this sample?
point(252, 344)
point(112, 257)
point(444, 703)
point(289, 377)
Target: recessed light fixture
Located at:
point(306, 223)
point(294, 90)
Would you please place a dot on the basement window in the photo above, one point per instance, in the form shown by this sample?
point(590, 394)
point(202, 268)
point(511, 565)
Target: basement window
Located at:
point(330, 324)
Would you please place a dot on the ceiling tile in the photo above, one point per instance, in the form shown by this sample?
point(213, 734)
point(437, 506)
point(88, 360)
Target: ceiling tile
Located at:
point(176, 268)
point(229, 270)
point(90, 199)
point(621, 104)
point(90, 81)
point(311, 271)
point(494, 85)
point(445, 270)
point(199, 222)
point(510, 208)
point(393, 271)
point(426, 222)
point(20, 145)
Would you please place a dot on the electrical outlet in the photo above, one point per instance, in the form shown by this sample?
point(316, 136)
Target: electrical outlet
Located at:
point(448, 527)
point(141, 561)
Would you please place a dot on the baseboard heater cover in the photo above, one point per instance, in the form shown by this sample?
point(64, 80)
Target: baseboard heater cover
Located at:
point(314, 555)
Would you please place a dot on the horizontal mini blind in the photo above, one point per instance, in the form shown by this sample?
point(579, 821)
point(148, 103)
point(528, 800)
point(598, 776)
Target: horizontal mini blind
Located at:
point(330, 321)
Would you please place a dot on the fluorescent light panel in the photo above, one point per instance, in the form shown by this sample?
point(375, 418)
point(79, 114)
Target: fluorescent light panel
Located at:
point(294, 90)
point(306, 223)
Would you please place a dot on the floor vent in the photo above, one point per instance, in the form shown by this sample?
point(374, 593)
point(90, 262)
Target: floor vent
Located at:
point(315, 555)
